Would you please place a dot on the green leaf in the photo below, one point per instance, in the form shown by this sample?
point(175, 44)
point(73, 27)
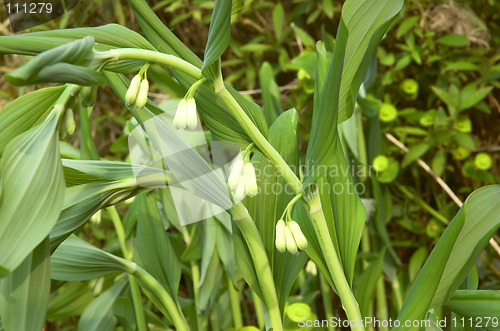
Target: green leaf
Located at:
point(32, 191)
point(153, 250)
point(367, 283)
point(304, 36)
point(60, 64)
point(70, 300)
point(471, 95)
point(406, 25)
point(83, 201)
point(322, 144)
point(267, 206)
point(414, 153)
point(457, 250)
point(270, 93)
point(366, 23)
point(438, 162)
point(24, 293)
point(278, 20)
point(106, 36)
point(98, 316)
point(219, 35)
point(453, 40)
point(76, 260)
point(26, 111)
point(480, 305)
point(445, 97)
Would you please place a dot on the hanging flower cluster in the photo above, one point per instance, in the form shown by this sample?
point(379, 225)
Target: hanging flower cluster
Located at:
point(289, 236)
point(137, 93)
point(186, 115)
point(242, 180)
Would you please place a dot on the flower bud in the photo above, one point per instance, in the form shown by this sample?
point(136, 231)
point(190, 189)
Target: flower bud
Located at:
point(290, 242)
point(180, 117)
point(280, 236)
point(240, 190)
point(463, 124)
point(380, 163)
point(387, 113)
point(132, 91)
point(142, 96)
point(192, 115)
point(234, 176)
point(88, 96)
point(69, 121)
point(300, 239)
point(250, 180)
point(483, 161)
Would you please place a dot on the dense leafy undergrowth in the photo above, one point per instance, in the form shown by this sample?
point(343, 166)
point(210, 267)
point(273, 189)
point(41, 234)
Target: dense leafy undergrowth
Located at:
point(418, 150)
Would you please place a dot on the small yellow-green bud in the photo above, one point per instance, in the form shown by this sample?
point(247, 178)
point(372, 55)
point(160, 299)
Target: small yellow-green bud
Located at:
point(235, 174)
point(280, 236)
point(380, 163)
point(192, 115)
point(410, 87)
point(298, 311)
point(250, 180)
point(132, 91)
point(483, 161)
point(387, 113)
point(463, 124)
point(240, 192)
point(142, 95)
point(291, 246)
point(180, 118)
point(300, 239)
point(69, 121)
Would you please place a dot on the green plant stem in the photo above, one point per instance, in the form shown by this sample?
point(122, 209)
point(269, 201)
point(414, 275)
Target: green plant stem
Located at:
point(134, 287)
point(382, 313)
point(260, 141)
point(259, 314)
point(423, 204)
point(398, 297)
point(261, 263)
point(151, 56)
point(137, 302)
point(151, 284)
point(195, 271)
point(235, 304)
point(327, 303)
point(332, 260)
point(365, 248)
point(201, 322)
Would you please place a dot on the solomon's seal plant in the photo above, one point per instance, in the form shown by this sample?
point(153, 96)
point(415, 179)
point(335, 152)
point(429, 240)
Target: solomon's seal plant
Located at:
point(46, 199)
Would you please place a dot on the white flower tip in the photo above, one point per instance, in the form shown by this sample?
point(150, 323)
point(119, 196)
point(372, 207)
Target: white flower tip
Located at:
point(132, 91)
point(251, 180)
point(142, 95)
point(280, 237)
point(240, 190)
point(291, 246)
point(235, 174)
point(192, 114)
point(180, 118)
point(298, 236)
